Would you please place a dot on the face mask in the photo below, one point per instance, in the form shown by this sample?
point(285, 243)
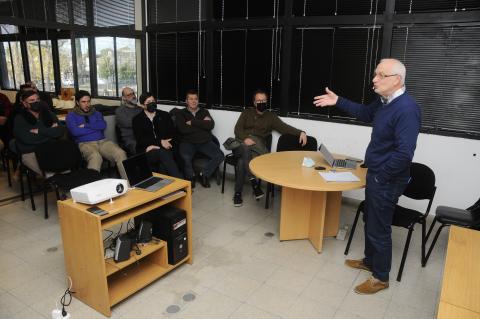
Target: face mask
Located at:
point(151, 107)
point(133, 101)
point(261, 107)
point(36, 106)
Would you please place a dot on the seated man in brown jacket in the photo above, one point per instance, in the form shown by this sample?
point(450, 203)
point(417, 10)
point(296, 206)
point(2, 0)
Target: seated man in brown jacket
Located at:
point(252, 128)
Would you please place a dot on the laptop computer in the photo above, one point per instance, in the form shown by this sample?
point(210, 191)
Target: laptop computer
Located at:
point(340, 163)
point(140, 175)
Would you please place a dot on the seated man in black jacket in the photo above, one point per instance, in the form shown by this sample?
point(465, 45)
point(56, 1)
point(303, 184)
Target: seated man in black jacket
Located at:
point(195, 127)
point(34, 125)
point(154, 132)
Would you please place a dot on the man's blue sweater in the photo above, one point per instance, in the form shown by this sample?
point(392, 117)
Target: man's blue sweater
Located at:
point(93, 129)
point(394, 136)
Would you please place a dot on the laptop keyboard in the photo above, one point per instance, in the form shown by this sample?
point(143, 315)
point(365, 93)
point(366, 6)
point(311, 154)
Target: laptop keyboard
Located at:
point(340, 163)
point(149, 182)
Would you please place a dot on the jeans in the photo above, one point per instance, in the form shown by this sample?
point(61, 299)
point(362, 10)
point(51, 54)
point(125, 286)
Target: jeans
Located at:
point(380, 202)
point(209, 149)
point(244, 155)
point(161, 161)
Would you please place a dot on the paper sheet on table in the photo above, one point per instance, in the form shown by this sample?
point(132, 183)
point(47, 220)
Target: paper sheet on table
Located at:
point(339, 177)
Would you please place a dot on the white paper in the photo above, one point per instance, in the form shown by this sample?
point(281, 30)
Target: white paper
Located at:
point(339, 177)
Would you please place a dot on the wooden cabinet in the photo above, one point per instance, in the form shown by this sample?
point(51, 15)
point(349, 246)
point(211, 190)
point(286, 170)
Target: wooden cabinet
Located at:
point(102, 283)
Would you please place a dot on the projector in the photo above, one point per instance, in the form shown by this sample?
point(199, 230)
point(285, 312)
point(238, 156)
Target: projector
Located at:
point(99, 191)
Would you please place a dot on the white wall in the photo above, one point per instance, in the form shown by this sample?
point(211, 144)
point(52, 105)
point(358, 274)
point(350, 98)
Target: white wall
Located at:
point(455, 161)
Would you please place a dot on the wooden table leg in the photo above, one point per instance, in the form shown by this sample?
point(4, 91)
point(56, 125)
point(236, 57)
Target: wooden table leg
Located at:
point(309, 214)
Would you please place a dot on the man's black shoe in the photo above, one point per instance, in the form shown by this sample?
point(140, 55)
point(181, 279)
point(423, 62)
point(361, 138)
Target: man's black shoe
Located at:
point(237, 200)
point(204, 181)
point(257, 192)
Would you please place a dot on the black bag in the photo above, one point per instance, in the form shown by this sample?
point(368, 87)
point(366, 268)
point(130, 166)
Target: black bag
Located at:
point(231, 143)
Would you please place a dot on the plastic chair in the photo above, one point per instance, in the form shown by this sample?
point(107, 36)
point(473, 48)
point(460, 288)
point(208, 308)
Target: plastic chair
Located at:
point(421, 187)
point(447, 216)
point(288, 142)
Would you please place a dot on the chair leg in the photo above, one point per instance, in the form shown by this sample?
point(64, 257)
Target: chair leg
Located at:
point(352, 232)
point(223, 176)
point(430, 229)
point(9, 174)
point(424, 226)
point(404, 255)
point(45, 202)
point(267, 196)
point(434, 242)
point(22, 188)
point(29, 183)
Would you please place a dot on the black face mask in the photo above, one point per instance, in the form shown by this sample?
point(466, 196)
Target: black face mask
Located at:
point(261, 107)
point(36, 106)
point(151, 107)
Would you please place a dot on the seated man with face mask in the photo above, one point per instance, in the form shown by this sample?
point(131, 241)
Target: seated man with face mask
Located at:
point(34, 125)
point(252, 128)
point(154, 132)
point(124, 115)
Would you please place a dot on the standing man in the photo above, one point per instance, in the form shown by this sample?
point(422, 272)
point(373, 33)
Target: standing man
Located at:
point(124, 114)
point(396, 123)
point(87, 127)
point(253, 127)
point(195, 126)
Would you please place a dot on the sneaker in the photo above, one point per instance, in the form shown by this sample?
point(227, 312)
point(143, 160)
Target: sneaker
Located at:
point(237, 200)
point(358, 264)
point(370, 286)
point(257, 192)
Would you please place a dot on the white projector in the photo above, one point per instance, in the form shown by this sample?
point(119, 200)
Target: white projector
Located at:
point(99, 191)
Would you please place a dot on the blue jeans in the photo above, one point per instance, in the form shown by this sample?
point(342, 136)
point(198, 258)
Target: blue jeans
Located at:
point(209, 149)
point(380, 201)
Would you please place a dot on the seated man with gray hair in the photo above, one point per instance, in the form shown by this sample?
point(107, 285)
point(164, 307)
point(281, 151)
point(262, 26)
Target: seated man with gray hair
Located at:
point(124, 114)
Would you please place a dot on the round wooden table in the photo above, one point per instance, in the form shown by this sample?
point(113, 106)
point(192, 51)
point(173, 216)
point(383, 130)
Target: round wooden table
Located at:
point(310, 206)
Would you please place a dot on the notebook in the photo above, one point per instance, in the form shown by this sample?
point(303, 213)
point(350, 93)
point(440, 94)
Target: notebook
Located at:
point(341, 163)
point(140, 175)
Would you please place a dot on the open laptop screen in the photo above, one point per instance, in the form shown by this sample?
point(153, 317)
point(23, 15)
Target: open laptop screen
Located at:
point(326, 154)
point(137, 169)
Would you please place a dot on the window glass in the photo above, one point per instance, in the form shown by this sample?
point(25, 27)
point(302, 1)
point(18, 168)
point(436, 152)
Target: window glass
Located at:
point(127, 64)
point(104, 52)
point(8, 29)
point(8, 82)
point(79, 12)
point(66, 65)
point(34, 64)
point(47, 61)
point(83, 64)
point(17, 64)
point(61, 11)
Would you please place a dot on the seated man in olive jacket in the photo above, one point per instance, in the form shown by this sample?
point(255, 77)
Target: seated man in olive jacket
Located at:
point(34, 125)
point(154, 132)
point(195, 127)
point(252, 128)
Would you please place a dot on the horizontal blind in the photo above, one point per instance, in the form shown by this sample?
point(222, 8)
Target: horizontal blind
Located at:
point(413, 6)
point(108, 13)
point(337, 7)
point(162, 11)
point(247, 8)
point(342, 59)
point(443, 64)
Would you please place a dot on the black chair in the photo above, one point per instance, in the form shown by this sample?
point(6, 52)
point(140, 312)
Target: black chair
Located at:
point(447, 216)
point(60, 161)
point(4, 154)
point(421, 187)
point(230, 159)
point(288, 142)
point(24, 170)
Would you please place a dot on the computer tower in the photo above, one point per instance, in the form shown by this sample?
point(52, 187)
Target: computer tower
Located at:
point(170, 225)
point(123, 247)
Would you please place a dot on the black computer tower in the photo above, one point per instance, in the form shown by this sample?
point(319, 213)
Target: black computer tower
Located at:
point(170, 225)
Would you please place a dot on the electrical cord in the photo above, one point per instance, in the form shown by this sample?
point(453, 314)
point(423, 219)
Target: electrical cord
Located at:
point(66, 299)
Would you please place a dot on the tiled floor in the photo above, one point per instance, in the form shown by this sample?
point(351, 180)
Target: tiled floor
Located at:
point(238, 272)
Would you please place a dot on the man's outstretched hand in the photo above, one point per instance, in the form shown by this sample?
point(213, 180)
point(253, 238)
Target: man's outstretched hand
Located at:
point(325, 100)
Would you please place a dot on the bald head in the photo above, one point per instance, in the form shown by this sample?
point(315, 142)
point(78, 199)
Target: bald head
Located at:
point(389, 77)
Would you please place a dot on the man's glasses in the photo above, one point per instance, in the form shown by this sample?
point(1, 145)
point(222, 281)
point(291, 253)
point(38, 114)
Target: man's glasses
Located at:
point(382, 76)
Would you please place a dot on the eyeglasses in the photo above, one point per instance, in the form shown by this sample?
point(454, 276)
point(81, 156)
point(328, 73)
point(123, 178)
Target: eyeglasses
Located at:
point(382, 76)
point(131, 94)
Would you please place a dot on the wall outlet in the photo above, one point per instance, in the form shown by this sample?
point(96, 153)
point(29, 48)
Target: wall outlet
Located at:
point(342, 232)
